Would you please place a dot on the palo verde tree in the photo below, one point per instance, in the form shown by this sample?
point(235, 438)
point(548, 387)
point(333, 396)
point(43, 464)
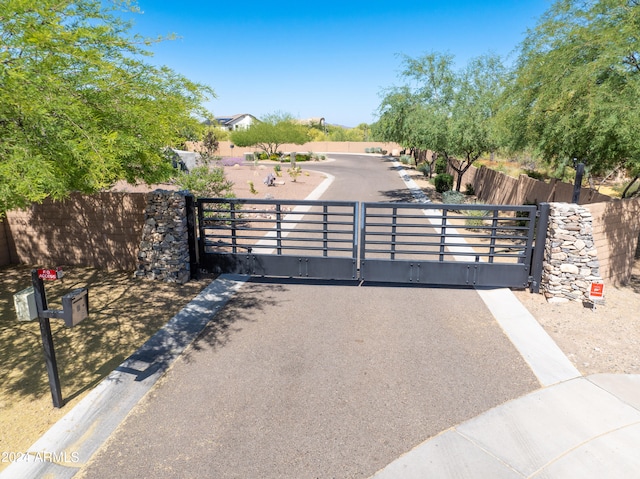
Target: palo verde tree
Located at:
point(472, 123)
point(447, 111)
point(271, 132)
point(79, 108)
point(575, 88)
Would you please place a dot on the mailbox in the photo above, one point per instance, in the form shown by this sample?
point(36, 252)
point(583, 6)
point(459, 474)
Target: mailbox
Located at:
point(75, 307)
point(25, 303)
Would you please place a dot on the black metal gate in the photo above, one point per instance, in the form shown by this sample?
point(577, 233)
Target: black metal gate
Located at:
point(474, 245)
point(308, 239)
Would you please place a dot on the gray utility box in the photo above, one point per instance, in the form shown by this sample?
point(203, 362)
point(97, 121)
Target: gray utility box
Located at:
point(25, 303)
point(75, 307)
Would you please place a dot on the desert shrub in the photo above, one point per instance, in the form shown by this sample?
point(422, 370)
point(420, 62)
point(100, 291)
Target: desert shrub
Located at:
point(441, 166)
point(204, 182)
point(469, 190)
point(405, 159)
point(443, 182)
point(477, 219)
point(524, 214)
point(294, 172)
point(424, 168)
point(452, 198)
point(536, 175)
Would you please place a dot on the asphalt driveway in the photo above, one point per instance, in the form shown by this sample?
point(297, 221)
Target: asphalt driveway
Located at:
point(313, 380)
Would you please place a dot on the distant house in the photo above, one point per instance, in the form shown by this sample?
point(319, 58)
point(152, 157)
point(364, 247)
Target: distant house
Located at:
point(236, 122)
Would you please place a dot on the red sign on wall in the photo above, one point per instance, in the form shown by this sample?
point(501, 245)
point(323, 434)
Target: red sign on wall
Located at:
point(50, 274)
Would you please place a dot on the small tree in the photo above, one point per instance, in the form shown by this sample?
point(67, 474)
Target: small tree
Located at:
point(205, 182)
point(270, 133)
point(210, 143)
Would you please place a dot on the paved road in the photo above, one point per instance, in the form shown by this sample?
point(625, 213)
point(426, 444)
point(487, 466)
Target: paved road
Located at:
point(362, 178)
point(314, 380)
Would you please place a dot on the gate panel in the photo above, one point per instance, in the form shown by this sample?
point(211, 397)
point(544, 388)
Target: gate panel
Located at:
point(468, 245)
point(314, 239)
point(476, 245)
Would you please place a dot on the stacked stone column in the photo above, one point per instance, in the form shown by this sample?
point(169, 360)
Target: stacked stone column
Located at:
point(164, 248)
point(571, 260)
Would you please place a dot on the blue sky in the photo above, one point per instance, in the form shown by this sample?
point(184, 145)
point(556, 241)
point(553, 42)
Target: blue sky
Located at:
point(326, 59)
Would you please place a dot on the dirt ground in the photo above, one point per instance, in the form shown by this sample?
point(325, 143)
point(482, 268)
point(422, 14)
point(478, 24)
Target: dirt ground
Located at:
point(125, 312)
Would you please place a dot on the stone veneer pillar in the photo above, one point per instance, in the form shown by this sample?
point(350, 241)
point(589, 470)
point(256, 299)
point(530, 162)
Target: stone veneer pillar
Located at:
point(164, 248)
point(571, 260)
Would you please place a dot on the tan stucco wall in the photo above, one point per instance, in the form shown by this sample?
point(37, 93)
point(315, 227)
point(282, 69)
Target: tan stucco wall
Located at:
point(5, 254)
point(616, 226)
point(224, 148)
point(101, 230)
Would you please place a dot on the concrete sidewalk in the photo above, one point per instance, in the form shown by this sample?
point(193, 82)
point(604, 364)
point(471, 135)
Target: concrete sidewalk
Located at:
point(587, 428)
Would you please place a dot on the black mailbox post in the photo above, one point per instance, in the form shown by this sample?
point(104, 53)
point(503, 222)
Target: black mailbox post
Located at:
point(75, 308)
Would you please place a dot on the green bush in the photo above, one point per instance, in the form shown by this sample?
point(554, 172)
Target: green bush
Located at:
point(469, 190)
point(477, 219)
point(443, 182)
point(452, 198)
point(536, 175)
point(441, 166)
point(424, 168)
point(205, 182)
point(524, 214)
point(405, 159)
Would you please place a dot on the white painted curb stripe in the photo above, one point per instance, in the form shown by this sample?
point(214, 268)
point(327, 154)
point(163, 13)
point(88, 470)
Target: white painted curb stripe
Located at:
point(296, 215)
point(547, 361)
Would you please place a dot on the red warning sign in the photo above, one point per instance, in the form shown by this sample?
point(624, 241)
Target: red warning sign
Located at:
point(596, 291)
point(50, 274)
